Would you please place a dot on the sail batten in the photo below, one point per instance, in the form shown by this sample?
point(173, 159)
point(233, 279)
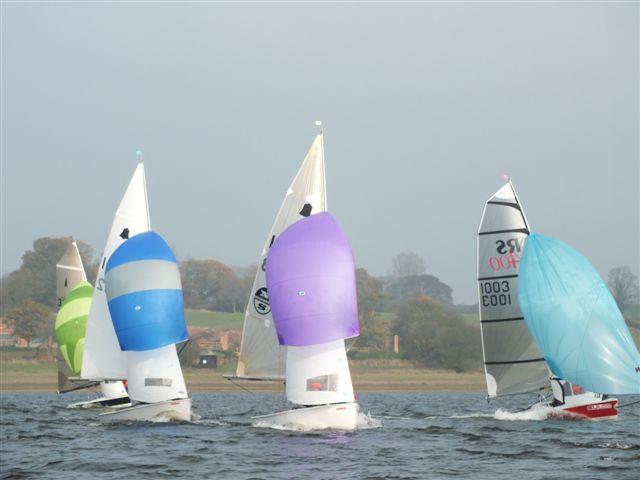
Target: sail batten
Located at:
point(513, 363)
point(261, 355)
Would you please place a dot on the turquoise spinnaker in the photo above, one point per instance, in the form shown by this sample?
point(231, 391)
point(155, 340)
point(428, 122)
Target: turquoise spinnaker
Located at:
point(575, 320)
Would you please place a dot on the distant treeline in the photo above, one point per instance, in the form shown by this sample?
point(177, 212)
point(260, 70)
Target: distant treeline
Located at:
point(408, 302)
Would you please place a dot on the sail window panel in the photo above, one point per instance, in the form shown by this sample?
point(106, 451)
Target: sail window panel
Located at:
point(323, 383)
point(508, 342)
point(519, 377)
point(502, 217)
point(158, 382)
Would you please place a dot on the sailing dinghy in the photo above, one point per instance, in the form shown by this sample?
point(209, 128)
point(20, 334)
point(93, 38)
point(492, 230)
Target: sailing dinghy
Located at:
point(145, 301)
point(312, 289)
point(74, 294)
point(315, 371)
point(513, 361)
point(103, 358)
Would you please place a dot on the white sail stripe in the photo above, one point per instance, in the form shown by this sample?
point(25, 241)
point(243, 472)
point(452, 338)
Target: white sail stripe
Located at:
point(153, 274)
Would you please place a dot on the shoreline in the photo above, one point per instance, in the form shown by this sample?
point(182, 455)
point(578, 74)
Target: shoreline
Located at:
point(396, 380)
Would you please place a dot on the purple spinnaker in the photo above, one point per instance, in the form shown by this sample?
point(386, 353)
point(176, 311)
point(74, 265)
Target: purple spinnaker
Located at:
point(311, 282)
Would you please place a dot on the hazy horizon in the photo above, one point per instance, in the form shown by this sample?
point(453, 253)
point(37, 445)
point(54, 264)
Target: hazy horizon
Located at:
point(425, 107)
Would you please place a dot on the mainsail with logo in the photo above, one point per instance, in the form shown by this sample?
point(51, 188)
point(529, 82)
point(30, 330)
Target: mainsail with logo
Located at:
point(102, 358)
point(261, 355)
point(513, 362)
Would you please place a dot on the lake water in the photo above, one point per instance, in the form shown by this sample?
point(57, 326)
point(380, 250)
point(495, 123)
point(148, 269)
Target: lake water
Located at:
point(410, 436)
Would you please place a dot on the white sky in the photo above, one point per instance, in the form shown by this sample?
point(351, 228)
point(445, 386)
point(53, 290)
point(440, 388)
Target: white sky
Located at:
point(425, 106)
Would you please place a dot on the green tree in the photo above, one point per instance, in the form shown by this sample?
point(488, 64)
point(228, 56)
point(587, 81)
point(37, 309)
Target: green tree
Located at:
point(407, 263)
point(624, 287)
point(190, 353)
point(36, 277)
point(437, 337)
point(401, 289)
point(211, 285)
point(30, 320)
point(370, 298)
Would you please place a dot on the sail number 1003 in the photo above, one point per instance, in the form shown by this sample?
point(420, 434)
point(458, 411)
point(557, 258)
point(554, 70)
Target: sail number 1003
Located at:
point(494, 294)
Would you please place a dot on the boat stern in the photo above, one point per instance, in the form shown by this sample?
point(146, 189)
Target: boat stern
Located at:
point(602, 410)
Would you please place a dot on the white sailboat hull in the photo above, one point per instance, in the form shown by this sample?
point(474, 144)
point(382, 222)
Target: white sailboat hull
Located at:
point(339, 416)
point(114, 395)
point(175, 410)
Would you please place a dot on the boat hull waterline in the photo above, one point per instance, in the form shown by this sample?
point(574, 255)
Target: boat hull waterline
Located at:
point(599, 410)
point(174, 410)
point(339, 416)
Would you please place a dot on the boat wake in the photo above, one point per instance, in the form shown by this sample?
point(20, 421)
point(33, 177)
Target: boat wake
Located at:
point(536, 414)
point(365, 421)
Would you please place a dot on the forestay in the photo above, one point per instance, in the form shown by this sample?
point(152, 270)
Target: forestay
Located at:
point(261, 356)
point(575, 319)
point(102, 357)
point(513, 363)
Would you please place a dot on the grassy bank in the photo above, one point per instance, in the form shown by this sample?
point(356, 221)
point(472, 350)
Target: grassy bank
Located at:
point(214, 320)
point(368, 375)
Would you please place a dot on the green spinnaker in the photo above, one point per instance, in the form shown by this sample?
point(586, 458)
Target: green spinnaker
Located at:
point(71, 324)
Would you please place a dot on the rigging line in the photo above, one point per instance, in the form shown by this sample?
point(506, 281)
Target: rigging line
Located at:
point(515, 361)
point(240, 386)
point(628, 404)
point(80, 387)
point(182, 347)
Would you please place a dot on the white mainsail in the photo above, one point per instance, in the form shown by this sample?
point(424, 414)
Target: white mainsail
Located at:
point(261, 356)
point(513, 362)
point(69, 272)
point(102, 357)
